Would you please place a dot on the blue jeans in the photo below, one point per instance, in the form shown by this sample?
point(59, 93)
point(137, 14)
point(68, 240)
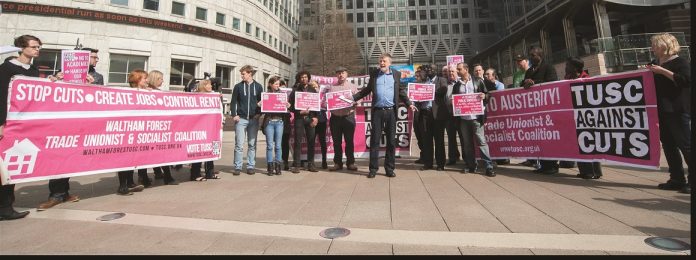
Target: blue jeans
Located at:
point(473, 129)
point(245, 129)
point(274, 138)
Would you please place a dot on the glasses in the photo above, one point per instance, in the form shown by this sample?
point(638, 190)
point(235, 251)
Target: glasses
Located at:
point(95, 57)
point(38, 47)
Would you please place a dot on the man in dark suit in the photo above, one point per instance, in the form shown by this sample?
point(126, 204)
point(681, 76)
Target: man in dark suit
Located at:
point(438, 116)
point(540, 72)
point(387, 92)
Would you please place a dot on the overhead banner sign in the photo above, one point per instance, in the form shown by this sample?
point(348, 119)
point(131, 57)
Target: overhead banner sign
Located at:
point(58, 130)
point(609, 118)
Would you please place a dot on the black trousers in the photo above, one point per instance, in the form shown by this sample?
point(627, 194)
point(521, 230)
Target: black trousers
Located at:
point(440, 127)
point(320, 132)
point(343, 128)
point(453, 130)
point(285, 145)
point(676, 134)
point(425, 141)
point(548, 164)
point(125, 178)
point(303, 128)
point(417, 131)
point(196, 170)
point(383, 120)
point(590, 168)
point(6, 195)
point(59, 188)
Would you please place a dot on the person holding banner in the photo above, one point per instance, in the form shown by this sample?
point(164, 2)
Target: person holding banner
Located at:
point(273, 126)
point(154, 81)
point(540, 72)
point(387, 93)
point(126, 185)
point(21, 65)
point(428, 112)
point(342, 124)
point(285, 144)
point(417, 126)
point(93, 60)
point(204, 86)
point(245, 112)
point(320, 129)
point(672, 83)
point(472, 125)
point(305, 121)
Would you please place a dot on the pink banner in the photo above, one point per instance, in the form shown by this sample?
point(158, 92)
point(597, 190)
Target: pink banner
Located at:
point(274, 102)
point(609, 118)
point(339, 99)
point(57, 130)
point(421, 92)
point(75, 66)
point(307, 100)
point(467, 104)
point(454, 59)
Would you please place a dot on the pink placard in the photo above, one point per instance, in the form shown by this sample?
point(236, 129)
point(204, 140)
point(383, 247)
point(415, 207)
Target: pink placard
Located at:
point(75, 66)
point(307, 100)
point(610, 119)
point(339, 99)
point(102, 129)
point(421, 92)
point(467, 104)
point(274, 102)
point(454, 59)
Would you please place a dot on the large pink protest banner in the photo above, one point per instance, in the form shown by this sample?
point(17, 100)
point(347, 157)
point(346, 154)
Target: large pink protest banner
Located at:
point(421, 92)
point(274, 102)
point(467, 104)
point(57, 130)
point(75, 65)
point(609, 118)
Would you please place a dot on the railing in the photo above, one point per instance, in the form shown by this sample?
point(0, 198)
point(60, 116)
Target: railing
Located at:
point(632, 49)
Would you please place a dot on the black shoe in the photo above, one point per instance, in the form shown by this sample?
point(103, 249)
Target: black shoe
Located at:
point(145, 181)
point(10, 214)
point(440, 169)
point(295, 169)
point(171, 181)
point(419, 161)
point(391, 174)
point(451, 162)
point(686, 189)
point(425, 168)
point(538, 170)
point(278, 169)
point(237, 171)
point(549, 171)
point(324, 165)
point(588, 176)
point(311, 167)
point(371, 174)
point(336, 167)
point(124, 191)
point(251, 171)
point(135, 188)
point(670, 185)
point(472, 170)
point(490, 172)
point(286, 166)
point(270, 169)
point(159, 176)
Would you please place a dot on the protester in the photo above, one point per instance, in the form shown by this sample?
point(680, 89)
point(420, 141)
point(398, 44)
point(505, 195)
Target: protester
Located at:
point(491, 80)
point(478, 71)
point(417, 125)
point(154, 81)
point(246, 112)
point(305, 121)
point(285, 144)
point(472, 126)
point(273, 126)
point(93, 60)
point(320, 129)
point(20, 65)
point(387, 91)
point(126, 185)
point(574, 70)
point(445, 121)
point(204, 86)
point(427, 111)
point(342, 123)
point(522, 66)
point(540, 72)
point(672, 83)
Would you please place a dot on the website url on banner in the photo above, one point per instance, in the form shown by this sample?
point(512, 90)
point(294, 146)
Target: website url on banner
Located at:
point(520, 149)
point(98, 151)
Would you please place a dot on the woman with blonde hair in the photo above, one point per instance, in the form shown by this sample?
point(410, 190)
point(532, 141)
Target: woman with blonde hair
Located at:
point(672, 86)
point(204, 86)
point(154, 81)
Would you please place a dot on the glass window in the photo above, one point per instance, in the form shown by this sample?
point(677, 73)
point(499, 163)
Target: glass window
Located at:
point(380, 3)
point(48, 62)
point(119, 2)
point(392, 30)
point(402, 15)
point(361, 17)
point(421, 2)
point(329, 5)
point(370, 17)
point(380, 16)
point(258, 32)
point(248, 28)
point(220, 19)
point(178, 8)
point(433, 29)
point(455, 28)
point(235, 23)
point(402, 30)
point(359, 4)
point(431, 2)
point(482, 28)
point(151, 5)
point(445, 28)
point(412, 15)
point(349, 17)
point(411, 2)
point(349, 4)
point(380, 31)
point(454, 14)
point(433, 14)
point(339, 4)
point(264, 36)
point(443, 2)
point(466, 28)
point(422, 15)
point(201, 14)
point(224, 73)
point(402, 3)
point(413, 30)
point(370, 3)
point(370, 31)
point(391, 16)
point(424, 29)
point(361, 32)
point(443, 13)
point(181, 72)
point(465, 12)
point(121, 65)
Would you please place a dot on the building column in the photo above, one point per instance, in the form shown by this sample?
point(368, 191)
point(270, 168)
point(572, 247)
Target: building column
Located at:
point(570, 40)
point(601, 19)
point(544, 42)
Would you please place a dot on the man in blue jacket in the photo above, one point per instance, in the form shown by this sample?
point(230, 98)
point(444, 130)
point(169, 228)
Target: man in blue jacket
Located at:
point(245, 111)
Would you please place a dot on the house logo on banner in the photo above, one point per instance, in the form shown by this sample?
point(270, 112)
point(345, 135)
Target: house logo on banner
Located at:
point(21, 158)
